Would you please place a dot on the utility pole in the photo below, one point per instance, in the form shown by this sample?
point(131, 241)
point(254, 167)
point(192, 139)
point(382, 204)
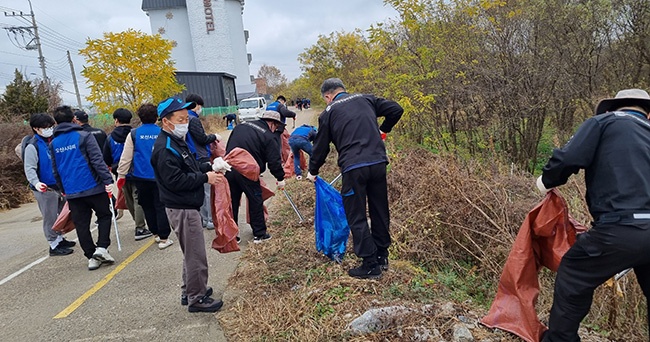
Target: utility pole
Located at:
point(74, 80)
point(37, 39)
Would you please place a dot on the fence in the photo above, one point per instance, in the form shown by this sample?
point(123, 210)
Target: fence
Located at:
point(106, 120)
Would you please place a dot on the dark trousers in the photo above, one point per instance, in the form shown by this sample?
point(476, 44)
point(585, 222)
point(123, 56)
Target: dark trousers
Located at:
point(154, 210)
point(367, 184)
point(597, 255)
point(253, 190)
point(81, 210)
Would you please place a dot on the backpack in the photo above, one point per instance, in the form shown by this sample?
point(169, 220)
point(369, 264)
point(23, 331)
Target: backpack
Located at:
point(28, 139)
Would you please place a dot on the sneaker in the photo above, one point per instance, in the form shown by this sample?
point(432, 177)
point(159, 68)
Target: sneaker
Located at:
point(238, 239)
point(299, 177)
point(383, 262)
point(367, 270)
point(120, 213)
point(165, 243)
point(67, 244)
point(142, 234)
point(209, 226)
point(93, 264)
point(60, 251)
point(101, 254)
point(205, 304)
point(156, 238)
point(262, 238)
point(208, 293)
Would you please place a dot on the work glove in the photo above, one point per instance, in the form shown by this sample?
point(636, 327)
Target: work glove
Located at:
point(218, 136)
point(311, 177)
point(41, 187)
point(109, 189)
point(220, 165)
point(540, 186)
point(281, 184)
point(383, 135)
point(120, 183)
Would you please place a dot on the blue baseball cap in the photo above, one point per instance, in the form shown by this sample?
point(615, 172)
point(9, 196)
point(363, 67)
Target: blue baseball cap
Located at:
point(171, 105)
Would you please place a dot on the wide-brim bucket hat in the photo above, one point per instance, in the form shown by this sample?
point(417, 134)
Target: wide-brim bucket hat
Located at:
point(627, 97)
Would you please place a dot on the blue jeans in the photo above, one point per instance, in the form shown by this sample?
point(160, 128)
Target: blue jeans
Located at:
point(298, 144)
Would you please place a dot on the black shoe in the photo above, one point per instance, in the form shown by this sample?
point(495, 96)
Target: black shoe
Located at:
point(238, 239)
point(67, 244)
point(383, 262)
point(208, 293)
point(60, 251)
point(261, 238)
point(142, 234)
point(205, 304)
point(367, 270)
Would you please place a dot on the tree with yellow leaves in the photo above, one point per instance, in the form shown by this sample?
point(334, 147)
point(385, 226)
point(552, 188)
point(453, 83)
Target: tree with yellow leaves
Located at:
point(127, 69)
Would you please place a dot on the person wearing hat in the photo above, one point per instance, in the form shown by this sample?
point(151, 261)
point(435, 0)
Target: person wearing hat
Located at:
point(81, 119)
point(613, 148)
point(350, 122)
point(260, 140)
point(180, 180)
point(81, 174)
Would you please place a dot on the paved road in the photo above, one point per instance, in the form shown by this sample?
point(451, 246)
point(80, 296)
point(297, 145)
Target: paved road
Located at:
point(139, 299)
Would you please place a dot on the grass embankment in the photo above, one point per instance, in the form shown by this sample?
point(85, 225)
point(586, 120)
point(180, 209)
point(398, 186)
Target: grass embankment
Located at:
point(453, 223)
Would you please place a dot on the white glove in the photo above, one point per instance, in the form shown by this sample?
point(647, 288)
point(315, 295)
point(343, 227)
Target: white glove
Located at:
point(299, 177)
point(220, 165)
point(218, 136)
point(281, 184)
point(311, 177)
point(41, 187)
point(109, 189)
point(540, 185)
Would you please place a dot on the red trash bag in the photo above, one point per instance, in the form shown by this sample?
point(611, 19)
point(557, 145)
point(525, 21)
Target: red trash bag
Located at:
point(121, 200)
point(224, 224)
point(288, 165)
point(546, 234)
point(63, 223)
point(242, 161)
point(217, 149)
point(266, 194)
point(285, 148)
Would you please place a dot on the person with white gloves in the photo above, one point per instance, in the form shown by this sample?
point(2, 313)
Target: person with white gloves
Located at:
point(350, 122)
point(612, 147)
point(220, 165)
point(38, 170)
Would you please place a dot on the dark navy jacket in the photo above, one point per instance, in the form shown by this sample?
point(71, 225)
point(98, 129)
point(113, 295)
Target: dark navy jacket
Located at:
point(77, 162)
point(350, 122)
point(264, 145)
point(614, 150)
point(197, 141)
point(114, 146)
point(282, 109)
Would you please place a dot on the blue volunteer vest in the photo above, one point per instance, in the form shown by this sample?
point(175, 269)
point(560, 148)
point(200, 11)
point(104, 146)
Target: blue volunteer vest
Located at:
point(45, 174)
point(116, 149)
point(302, 131)
point(72, 166)
point(273, 106)
point(143, 139)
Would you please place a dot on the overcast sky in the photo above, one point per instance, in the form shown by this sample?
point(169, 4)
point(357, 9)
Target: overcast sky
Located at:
point(279, 31)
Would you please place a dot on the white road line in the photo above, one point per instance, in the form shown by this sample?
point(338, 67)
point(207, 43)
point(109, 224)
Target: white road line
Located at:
point(17, 273)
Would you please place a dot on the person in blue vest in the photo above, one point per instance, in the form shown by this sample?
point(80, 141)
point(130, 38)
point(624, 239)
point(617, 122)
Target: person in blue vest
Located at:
point(135, 161)
point(199, 144)
point(301, 139)
point(113, 148)
point(280, 107)
point(180, 180)
point(83, 177)
point(38, 170)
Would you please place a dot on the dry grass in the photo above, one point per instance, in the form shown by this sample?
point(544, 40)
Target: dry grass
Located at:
point(13, 184)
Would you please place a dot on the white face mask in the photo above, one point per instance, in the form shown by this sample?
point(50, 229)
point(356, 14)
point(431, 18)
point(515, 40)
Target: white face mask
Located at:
point(180, 130)
point(47, 132)
point(198, 110)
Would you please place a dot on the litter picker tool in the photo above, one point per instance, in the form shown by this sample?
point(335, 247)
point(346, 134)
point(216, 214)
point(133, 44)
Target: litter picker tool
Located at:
point(335, 179)
point(117, 233)
point(293, 205)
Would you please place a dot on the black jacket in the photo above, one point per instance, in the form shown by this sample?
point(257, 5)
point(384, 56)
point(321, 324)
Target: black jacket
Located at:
point(264, 145)
point(200, 139)
point(350, 122)
point(99, 134)
point(119, 134)
point(179, 175)
point(286, 113)
point(614, 151)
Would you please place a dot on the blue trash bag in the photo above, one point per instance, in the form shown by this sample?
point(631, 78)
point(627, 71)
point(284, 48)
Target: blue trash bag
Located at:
point(330, 223)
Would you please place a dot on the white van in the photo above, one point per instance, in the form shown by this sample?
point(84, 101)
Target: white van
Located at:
point(251, 109)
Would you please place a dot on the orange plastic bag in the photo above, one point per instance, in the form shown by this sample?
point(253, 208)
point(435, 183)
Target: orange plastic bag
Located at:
point(244, 163)
point(546, 234)
point(63, 223)
point(288, 165)
point(224, 224)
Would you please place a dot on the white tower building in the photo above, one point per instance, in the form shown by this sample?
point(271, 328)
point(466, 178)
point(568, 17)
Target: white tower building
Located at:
point(208, 36)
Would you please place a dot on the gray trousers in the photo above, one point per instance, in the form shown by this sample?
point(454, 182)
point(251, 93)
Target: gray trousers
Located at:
point(206, 212)
point(50, 205)
point(131, 198)
point(189, 231)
